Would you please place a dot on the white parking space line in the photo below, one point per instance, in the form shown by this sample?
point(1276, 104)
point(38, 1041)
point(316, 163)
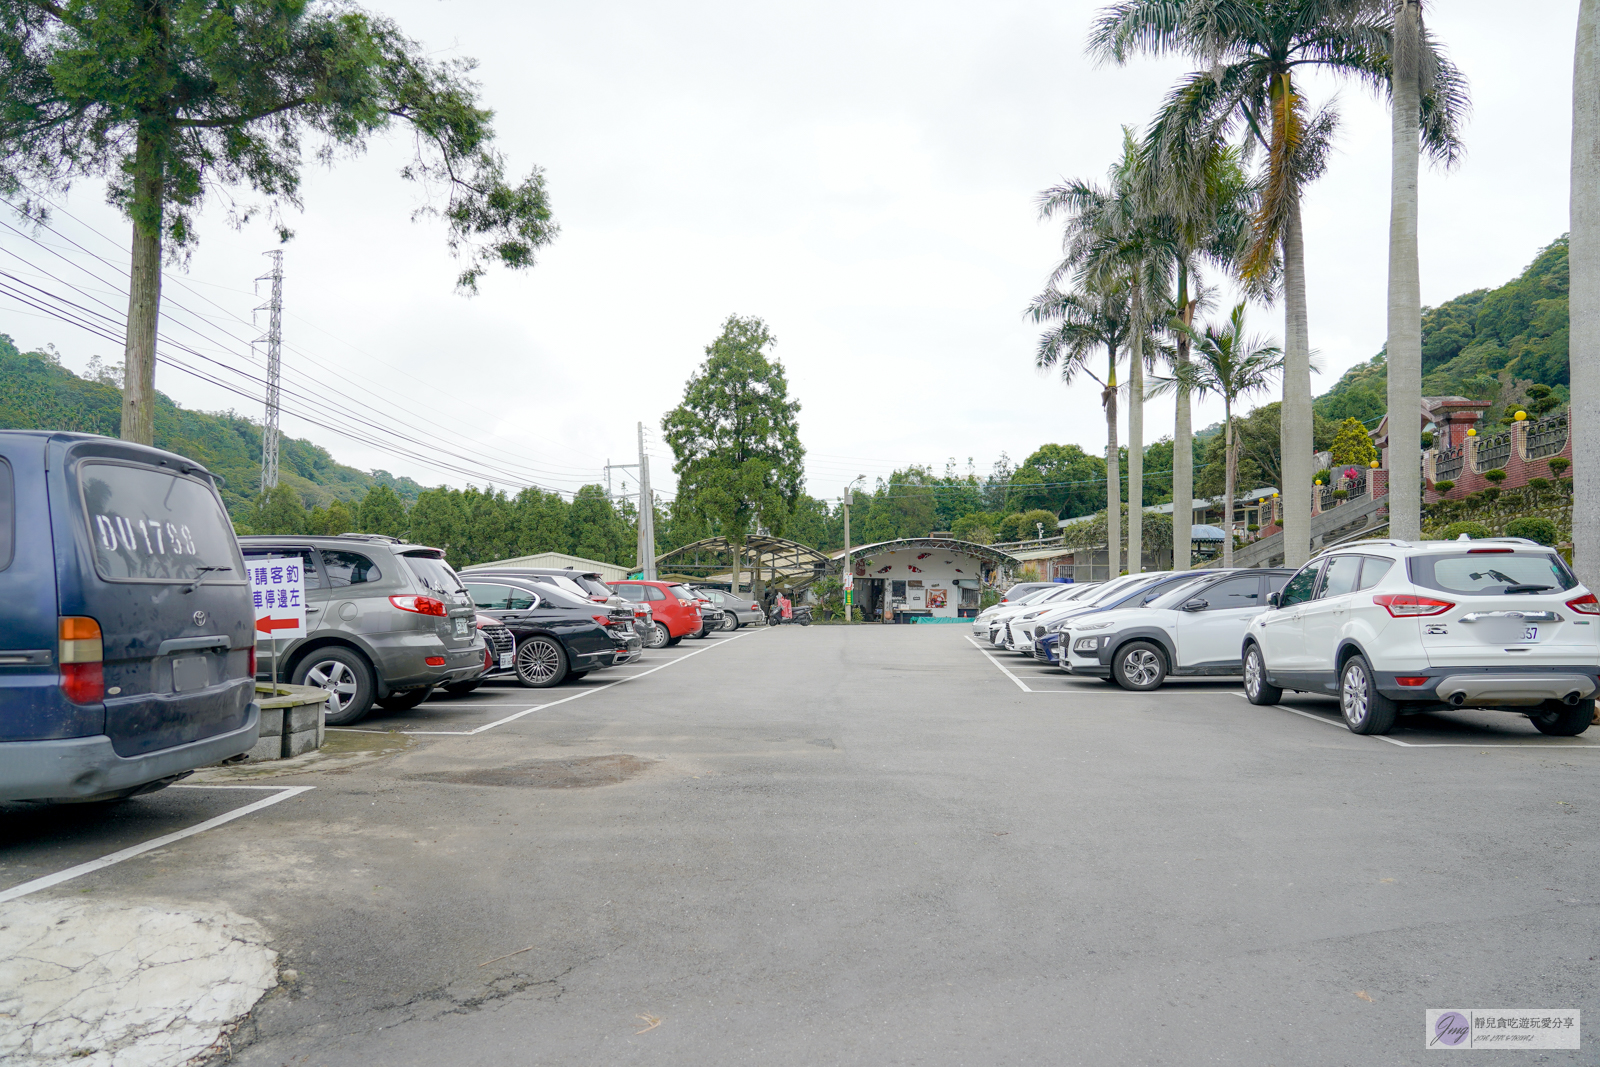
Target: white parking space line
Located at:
point(280, 793)
point(1020, 683)
point(540, 707)
point(1530, 743)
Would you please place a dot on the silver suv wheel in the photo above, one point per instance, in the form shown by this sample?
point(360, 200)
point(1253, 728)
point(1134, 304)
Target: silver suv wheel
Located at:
point(339, 682)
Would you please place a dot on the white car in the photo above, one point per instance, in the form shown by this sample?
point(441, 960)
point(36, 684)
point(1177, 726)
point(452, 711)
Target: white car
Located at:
point(1003, 613)
point(1016, 635)
point(1024, 631)
point(1397, 626)
point(1192, 628)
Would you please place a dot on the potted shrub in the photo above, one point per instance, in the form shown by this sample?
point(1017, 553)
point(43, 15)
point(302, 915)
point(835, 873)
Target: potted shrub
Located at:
point(1341, 494)
point(1443, 488)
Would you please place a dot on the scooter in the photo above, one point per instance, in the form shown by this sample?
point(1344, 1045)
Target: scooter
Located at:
point(802, 616)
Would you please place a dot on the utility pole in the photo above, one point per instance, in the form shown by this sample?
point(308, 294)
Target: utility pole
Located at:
point(846, 571)
point(274, 341)
point(646, 552)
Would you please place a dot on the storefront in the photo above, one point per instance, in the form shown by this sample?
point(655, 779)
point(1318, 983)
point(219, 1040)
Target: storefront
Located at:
point(930, 577)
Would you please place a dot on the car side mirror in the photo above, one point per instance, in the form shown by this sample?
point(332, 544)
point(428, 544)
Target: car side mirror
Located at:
point(1272, 600)
point(1196, 605)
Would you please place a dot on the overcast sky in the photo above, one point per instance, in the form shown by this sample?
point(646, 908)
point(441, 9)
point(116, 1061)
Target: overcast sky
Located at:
point(861, 176)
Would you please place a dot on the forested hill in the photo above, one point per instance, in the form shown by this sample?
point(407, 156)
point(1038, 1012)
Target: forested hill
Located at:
point(1489, 344)
point(36, 392)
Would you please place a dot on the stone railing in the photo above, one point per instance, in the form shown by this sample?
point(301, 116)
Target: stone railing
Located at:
point(1547, 437)
point(1449, 463)
point(1492, 452)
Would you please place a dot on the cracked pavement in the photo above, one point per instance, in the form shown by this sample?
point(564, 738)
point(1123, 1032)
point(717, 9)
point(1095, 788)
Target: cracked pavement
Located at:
point(869, 847)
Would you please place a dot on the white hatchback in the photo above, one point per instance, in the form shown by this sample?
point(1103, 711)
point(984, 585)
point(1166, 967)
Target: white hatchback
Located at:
point(1396, 626)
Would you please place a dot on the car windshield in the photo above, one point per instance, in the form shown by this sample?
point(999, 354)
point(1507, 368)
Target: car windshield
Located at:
point(594, 585)
point(1113, 589)
point(1179, 594)
point(156, 526)
point(1029, 598)
point(1483, 572)
point(433, 573)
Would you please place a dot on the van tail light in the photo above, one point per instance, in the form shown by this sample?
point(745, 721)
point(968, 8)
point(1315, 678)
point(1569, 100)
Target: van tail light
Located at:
point(422, 605)
point(1407, 605)
point(1585, 605)
point(252, 661)
point(83, 676)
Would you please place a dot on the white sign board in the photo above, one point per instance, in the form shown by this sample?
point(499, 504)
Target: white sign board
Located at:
point(278, 590)
point(849, 580)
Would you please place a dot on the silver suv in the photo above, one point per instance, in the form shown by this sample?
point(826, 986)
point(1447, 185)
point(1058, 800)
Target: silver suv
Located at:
point(386, 622)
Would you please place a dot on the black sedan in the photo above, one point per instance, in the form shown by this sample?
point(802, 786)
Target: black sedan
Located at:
point(558, 636)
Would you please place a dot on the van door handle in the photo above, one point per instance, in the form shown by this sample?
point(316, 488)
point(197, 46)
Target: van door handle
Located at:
point(312, 607)
point(187, 644)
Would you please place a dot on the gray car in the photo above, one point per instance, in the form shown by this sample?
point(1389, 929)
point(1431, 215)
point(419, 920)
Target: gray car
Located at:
point(386, 622)
point(737, 611)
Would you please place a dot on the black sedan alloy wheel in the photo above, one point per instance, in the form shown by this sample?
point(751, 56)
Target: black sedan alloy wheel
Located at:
point(541, 662)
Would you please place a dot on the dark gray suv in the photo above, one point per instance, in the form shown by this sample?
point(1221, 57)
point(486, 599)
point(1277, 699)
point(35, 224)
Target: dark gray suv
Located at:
point(386, 622)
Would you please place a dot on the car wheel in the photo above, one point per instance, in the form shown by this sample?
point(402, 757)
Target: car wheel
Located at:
point(702, 633)
point(1256, 687)
point(541, 662)
point(1366, 711)
point(672, 642)
point(1139, 666)
point(573, 676)
point(461, 689)
point(405, 701)
point(730, 622)
point(655, 636)
point(1563, 720)
point(346, 678)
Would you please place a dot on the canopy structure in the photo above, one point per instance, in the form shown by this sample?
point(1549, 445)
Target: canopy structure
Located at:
point(1201, 532)
point(772, 560)
point(935, 544)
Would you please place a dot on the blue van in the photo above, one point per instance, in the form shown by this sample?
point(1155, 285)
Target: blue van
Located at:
point(127, 634)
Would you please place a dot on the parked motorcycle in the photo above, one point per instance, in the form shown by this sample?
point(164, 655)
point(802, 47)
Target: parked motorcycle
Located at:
point(802, 616)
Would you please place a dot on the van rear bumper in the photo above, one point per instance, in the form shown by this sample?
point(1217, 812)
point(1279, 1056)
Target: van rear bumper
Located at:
point(73, 767)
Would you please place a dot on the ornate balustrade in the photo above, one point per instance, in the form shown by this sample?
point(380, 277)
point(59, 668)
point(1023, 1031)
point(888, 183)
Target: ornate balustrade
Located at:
point(1493, 452)
point(1547, 437)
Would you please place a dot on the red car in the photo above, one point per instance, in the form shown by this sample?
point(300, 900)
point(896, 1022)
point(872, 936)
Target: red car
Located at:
point(676, 607)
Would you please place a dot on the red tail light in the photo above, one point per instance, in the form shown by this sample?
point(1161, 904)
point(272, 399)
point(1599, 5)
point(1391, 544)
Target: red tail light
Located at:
point(1585, 605)
point(1405, 605)
point(755, 607)
point(488, 657)
point(83, 676)
point(1488, 551)
point(252, 661)
point(434, 661)
point(422, 605)
point(1413, 680)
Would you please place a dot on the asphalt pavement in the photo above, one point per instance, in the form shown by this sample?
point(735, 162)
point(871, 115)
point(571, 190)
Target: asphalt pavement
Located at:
point(878, 845)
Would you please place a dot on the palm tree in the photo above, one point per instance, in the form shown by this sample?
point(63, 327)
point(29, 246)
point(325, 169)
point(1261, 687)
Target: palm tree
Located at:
point(1253, 51)
point(1584, 257)
point(1424, 90)
point(1114, 238)
point(1083, 323)
point(1230, 365)
point(1206, 201)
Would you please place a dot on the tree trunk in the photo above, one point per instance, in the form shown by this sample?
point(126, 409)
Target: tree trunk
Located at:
point(144, 293)
point(1136, 443)
point(1230, 480)
point(1183, 447)
point(1584, 259)
point(1113, 479)
point(1294, 433)
point(738, 560)
point(1405, 286)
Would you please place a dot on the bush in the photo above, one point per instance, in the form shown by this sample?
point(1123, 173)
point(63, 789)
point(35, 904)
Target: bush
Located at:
point(1253, 527)
point(1538, 485)
point(1324, 476)
point(1427, 439)
point(1341, 494)
point(1496, 476)
point(1443, 487)
point(1492, 494)
point(1475, 530)
point(1559, 465)
point(1534, 528)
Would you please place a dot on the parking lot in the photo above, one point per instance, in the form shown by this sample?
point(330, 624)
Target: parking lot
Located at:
point(872, 845)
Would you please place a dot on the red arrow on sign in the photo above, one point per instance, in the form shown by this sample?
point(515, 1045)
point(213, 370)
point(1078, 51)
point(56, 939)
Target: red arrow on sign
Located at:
point(270, 624)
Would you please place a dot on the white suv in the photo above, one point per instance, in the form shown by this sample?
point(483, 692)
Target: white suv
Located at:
point(1392, 626)
point(1191, 629)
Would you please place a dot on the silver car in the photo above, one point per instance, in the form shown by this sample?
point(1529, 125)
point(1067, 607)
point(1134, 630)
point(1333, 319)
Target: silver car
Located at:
point(386, 622)
point(737, 611)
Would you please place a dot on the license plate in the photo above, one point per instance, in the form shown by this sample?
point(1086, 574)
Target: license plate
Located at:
point(505, 660)
point(1530, 633)
point(190, 673)
point(460, 626)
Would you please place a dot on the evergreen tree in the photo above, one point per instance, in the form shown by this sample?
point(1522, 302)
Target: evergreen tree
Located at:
point(596, 531)
point(1352, 445)
point(279, 511)
point(436, 521)
point(541, 522)
point(382, 512)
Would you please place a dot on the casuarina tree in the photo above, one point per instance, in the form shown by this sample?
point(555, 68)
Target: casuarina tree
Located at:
point(735, 439)
point(168, 100)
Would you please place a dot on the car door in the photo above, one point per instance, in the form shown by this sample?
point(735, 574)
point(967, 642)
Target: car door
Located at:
point(1212, 635)
point(1281, 632)
point(1326, 614)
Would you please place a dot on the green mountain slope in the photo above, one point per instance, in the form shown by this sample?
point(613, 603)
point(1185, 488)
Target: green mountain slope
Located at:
point(36, 392)
point(1489, 344)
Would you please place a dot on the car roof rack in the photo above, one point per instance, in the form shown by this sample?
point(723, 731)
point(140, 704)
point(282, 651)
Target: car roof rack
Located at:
point(385, 538)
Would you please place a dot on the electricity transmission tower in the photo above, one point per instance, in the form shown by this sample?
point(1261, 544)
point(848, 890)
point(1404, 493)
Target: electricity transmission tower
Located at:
point(274, 343)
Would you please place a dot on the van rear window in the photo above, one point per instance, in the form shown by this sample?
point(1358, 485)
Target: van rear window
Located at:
point(149, 525)
point(8, 515)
